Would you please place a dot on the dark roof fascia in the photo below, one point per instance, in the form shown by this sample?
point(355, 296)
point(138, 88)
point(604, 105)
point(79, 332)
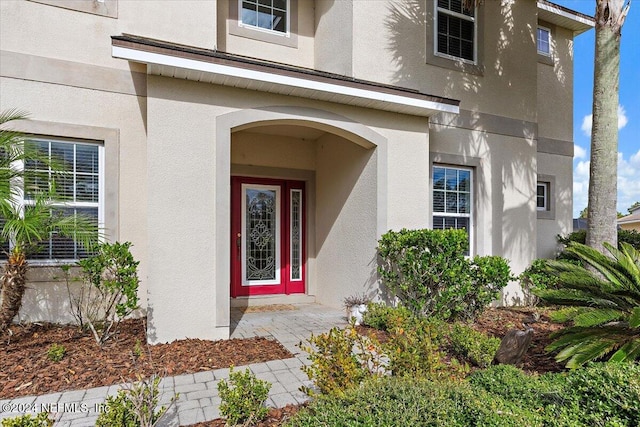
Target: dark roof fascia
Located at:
point(223, 58)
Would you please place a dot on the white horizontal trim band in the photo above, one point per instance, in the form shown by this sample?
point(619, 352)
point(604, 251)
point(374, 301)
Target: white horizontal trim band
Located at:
point(565, 14)
point(260, 76)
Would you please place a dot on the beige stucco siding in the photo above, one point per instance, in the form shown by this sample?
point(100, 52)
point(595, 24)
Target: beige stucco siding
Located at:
point(86, 38)
point(392, 45)
point(55, 106)
point(559, 168)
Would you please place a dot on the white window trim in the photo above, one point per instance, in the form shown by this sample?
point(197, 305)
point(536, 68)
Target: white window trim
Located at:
point(546, 186)
point(461, 16)
point(101, 194)
point(287, 33)
point(548, 30)
point(469, 215)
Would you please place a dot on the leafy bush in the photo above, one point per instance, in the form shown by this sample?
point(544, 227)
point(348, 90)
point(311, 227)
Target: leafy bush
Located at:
point(341, 359)
point(605, 394)
point(56, 352)
point(535, 277)
point(134, 406)
point(243, 398)
point(414, 349)
point(472, 345)
point(109, 292)
point(40, 420)
point(380, 316)
point(405, 401)
point(602, 394)
point(604, 306)
point(428, 272)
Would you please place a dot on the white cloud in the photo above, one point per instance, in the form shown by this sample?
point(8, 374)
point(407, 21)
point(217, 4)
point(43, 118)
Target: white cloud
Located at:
point(579, 152)
point(628, 183)
point(587, 121)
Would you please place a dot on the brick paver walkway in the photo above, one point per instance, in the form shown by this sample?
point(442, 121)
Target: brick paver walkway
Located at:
point(198, 394)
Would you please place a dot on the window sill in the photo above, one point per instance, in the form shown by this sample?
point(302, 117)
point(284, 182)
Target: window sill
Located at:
point(545, 59)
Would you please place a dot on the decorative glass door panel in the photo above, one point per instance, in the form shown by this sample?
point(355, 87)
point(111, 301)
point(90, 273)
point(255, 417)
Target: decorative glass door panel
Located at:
point(261, 242)
point(268, 236)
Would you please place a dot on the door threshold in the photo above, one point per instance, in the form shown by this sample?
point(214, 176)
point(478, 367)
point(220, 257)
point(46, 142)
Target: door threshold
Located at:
point(241, 302)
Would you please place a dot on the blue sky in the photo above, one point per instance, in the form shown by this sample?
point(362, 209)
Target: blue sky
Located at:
point(628, 114)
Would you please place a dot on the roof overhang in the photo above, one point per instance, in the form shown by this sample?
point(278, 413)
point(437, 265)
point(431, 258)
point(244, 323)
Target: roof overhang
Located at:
point(564, 17)
point(209, 66)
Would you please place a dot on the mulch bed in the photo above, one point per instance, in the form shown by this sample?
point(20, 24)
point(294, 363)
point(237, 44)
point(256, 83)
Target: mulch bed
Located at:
point(26, 370)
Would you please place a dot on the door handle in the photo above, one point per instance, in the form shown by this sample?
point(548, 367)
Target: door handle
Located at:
point(239, 243)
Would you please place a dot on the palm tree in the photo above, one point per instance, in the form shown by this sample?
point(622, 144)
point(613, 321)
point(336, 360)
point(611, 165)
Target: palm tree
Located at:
point(24, 227)
point(604, 305)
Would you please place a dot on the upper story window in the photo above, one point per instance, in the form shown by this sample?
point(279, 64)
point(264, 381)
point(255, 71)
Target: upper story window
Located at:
point(455, 30)
point(544, 41)
point(271, 15)
point(542, 196)
point(79, 190)
point(452, 201)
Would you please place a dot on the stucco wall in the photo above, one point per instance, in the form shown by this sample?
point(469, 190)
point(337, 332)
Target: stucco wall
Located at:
point(346, 232)
point(504, 189)
point(391, 45)
point(86, 38)
point(78, 112)
point(560, 168)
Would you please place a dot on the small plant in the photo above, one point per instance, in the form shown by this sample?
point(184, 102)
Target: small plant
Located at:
point(414, 349)
point(380, 316)
point(56, 352)
point(135, 405)
point(40, 420)
point(109, 292)
point(137, 349)
point(243, 398)
point(472, 345)
point(341, 359)
point(356, 299)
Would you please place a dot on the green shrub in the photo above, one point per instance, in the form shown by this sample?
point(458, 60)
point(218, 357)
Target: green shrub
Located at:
point(602, 394)
point(134, 406)
point(341, 359)
point(56, 352)
point(405, 401)
point(535, 277)
point(109, 292)
point(429, 273)
point(40, 420)
point(414, 349)
point(597, 395)
point(472, 345)
point(380, 316)
point(243, 398)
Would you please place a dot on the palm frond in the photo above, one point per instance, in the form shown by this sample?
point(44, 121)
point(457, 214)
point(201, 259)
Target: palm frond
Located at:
point(606, 266)
point(590, 351)
point(634, 319)
point(595, 317)
point(628, 352)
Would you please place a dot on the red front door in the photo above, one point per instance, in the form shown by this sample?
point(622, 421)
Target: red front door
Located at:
point(267, 236)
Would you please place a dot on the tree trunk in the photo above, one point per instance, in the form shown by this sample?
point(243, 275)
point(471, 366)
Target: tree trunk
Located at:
point(601, 226)
point(13, 285)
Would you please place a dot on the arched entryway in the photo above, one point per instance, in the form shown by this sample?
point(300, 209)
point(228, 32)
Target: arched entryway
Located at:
point(306, 191)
